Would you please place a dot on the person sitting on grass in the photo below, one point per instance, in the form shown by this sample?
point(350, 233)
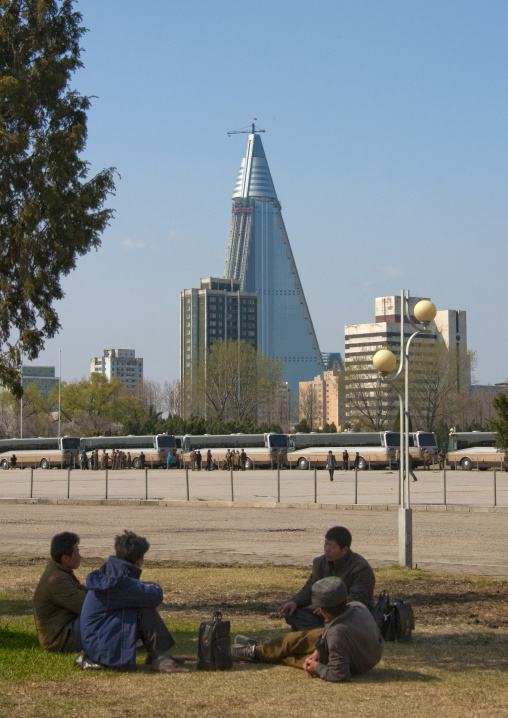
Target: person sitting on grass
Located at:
point(119, 609)
point(349, 644)
point(59, 597)
point(337, 560)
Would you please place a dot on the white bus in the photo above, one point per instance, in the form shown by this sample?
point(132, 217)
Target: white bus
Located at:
point(474, 449)
point(43, 452)
point(261, 449)
point(376, 449)
point(418, 442)
point(155, 448)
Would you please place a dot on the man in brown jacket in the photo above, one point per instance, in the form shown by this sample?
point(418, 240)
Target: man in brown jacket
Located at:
point(59, 597)
point(337, 560)
point(349, 644)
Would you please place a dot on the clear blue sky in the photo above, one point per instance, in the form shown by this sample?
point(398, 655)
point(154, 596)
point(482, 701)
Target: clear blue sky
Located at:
point(386, 136)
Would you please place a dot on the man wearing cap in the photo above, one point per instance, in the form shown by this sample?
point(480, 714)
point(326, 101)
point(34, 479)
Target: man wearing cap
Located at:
point(349, 644)
point(338, 560)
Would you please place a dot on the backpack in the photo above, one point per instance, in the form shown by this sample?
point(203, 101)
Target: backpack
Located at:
point(395, 620)
point(214, 644)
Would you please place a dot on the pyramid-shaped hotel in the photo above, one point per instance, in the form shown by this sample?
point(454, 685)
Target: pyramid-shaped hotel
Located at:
point(259, 257)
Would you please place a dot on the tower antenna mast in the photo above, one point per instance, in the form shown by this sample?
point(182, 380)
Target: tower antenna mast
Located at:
point(245, 130)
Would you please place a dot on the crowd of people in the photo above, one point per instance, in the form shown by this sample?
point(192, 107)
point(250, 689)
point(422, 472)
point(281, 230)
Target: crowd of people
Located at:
point(333, 634)
point(118, 460)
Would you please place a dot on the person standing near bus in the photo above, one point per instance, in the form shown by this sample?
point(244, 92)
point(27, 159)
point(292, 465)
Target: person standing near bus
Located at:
point(208, 460)
point(142, 460)
point(331, 464)
point(84, 460)
point(441, 457)
point(345, 460)
point(243, 459)
point(170, 460)
point(13, 461)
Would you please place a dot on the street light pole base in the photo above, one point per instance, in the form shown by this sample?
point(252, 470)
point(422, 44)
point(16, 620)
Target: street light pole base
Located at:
point(406, 537)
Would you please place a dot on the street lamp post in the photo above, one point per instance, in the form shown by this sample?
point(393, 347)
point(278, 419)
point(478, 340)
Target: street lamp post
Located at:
point(384, 362)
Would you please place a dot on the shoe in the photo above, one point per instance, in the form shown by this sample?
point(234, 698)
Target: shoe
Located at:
point(241, 652)
point(414, 480)
point(180, 660)
point(244, 641)
point(165, 664)
point(86, 663)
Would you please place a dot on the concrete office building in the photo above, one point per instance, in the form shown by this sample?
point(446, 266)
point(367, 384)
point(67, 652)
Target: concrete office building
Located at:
point(362, 341)
point(42, 376)
point(259, 257)
point(119, 363)
point(217, 311)
point(319, 400)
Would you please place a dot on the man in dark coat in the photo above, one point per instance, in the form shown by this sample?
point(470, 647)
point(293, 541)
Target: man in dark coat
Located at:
point(120, 609)
point(337, 560)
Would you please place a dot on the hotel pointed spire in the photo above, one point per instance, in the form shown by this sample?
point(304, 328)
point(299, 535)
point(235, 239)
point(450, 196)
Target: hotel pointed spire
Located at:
point(259, 256)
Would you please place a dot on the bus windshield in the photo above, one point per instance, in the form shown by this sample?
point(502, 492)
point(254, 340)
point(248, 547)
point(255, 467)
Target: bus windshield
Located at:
point(70, 443)
point(166, 441)
point(278, 441)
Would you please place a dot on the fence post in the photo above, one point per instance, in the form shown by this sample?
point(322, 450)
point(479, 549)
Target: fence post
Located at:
point(146, 484)
point(356, 485)
point(187, 481)
point(232, 485)
point(315, 486)
point(444, 486)
point(278, 486)
point(31, 483)
point(477, 465)
point(68, 483)
point(106, 483)
point(495, 487)
point(369, 463)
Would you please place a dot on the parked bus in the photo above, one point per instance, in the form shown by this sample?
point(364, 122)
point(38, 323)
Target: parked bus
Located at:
point(469, 449)
point(376, 449)
point(261, 449)
point(418, 442)
point(155, 448)
point(43, 452)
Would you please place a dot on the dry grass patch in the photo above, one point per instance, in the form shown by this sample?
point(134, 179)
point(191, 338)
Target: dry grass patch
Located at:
point(456, 665)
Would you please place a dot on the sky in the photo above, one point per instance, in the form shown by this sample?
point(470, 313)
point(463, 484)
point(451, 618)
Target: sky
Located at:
point(386, 137)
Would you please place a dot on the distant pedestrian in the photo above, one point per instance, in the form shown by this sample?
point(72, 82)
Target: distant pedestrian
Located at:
point(345, 460)
point(357, 460)
point(331, 464)
point(83, 460)
point(199, 460)
point(208, 460)
point(13, 460)
point(170, 459)
point(142, 460)
point(441, 456)
point(426, 460)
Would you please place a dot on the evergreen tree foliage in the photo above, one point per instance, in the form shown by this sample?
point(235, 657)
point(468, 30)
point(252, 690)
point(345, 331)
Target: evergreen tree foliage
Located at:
point(50, 213)
point(500, 424)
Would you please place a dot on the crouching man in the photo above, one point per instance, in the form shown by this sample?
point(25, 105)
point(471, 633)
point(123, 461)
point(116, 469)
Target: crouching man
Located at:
point(349, 644)
point(119, 609)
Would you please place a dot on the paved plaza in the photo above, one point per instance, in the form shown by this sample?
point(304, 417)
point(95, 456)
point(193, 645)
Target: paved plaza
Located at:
point(460, 537)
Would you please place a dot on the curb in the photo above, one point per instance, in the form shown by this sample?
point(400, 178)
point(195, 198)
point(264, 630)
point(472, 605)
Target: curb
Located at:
point(175, 503)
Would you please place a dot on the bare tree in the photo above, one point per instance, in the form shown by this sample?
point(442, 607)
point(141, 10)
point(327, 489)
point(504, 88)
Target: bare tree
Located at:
point(369, 404)
point(309, 406)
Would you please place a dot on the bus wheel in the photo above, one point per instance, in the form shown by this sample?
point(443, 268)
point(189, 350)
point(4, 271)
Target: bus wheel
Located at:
point(136, 463)
point(44, 464)
point(5, 464)
point(248, 463)
point(362, 464)
point(303, 463)
point(466, 464)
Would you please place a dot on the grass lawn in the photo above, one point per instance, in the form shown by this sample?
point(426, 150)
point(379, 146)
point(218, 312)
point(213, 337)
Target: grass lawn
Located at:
point(456, 664)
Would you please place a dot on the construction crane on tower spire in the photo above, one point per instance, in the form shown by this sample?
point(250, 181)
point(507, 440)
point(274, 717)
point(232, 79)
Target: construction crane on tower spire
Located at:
point(245, 130)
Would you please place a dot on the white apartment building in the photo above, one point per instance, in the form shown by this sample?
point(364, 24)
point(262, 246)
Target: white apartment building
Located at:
point(119, 363)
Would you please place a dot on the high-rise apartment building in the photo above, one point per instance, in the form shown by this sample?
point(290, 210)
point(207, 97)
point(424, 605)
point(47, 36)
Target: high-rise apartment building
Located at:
point(319, 400)
point(259, 257)
point(363, 341)
point(217, 311)
point(119, 363)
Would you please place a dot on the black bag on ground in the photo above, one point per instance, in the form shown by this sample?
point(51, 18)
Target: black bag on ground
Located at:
point(214, 644)
point(395, 620)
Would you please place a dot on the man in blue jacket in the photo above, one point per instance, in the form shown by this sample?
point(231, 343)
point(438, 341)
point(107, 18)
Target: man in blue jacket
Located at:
point(119, 609)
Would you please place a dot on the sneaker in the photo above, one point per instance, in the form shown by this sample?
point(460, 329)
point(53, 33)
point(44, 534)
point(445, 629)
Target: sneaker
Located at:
point(86, 663)
point(165, 664)
point(180, 660)
point(244, 641)
point(241, 652)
